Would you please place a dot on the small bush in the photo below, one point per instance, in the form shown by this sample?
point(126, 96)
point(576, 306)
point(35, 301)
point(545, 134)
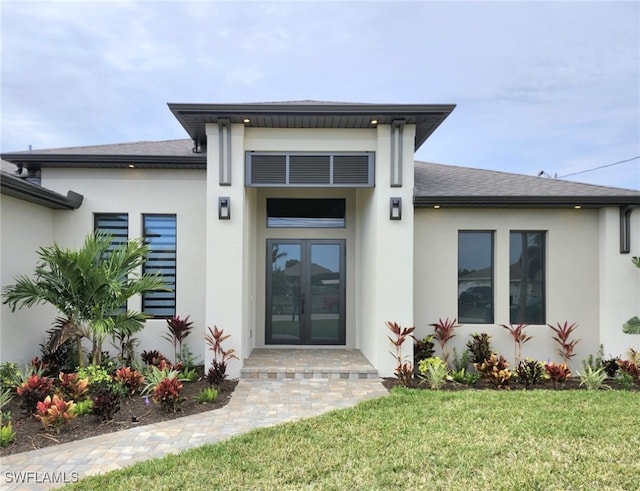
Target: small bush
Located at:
point(422, 349)
point(105, 399)
point(167, 393)
point(434, 372)
point(152, 357)
point(8, 375)
point(83, 407)
point(465, 377)
point(495, 369)
point(72, 387)
point(592, 379)
point(94, 373)
point(479, 347)
point(611, 366)
point(189, 374)
point(631, 369)
point(34, 390)
point(530, 372)
point(54, 412)
point(558, 372)
point(132, 380)
point(217, 373)
point(208, 394)
point(7, 435)
point(156, 375)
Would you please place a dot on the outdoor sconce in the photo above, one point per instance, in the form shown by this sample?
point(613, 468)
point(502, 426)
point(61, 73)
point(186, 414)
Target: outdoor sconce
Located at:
point(395, 209)
point(224, 208)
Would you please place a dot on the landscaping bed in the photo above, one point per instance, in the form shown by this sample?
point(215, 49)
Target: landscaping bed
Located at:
point(134, 411)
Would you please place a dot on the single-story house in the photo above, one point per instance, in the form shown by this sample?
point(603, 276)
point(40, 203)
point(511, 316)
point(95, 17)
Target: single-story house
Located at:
point(306, 224)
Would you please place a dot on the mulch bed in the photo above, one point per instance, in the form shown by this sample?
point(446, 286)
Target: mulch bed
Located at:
point(31, 435)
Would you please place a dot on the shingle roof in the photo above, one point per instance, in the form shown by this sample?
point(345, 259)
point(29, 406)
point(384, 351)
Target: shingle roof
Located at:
point(438, 184)
point(183, 147)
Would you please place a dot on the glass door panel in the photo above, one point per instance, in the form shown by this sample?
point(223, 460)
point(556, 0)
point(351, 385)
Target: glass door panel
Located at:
point(285, 295)
point(305, 292)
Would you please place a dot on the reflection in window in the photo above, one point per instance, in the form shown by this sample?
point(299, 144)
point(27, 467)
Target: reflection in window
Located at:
point(305, 213)
point(526, 277)
point(475, 277)
point(160, 236)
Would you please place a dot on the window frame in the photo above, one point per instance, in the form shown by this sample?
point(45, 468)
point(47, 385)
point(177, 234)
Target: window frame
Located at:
point(169, 309)
point(543, 281)
point(490, 315)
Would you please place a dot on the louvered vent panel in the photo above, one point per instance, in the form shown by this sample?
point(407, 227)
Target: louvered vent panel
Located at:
point(309, 169)
point(268, 169)
point(351, 169)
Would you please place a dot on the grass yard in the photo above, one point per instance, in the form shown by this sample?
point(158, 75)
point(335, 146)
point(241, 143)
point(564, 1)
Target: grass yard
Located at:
point(419, 439)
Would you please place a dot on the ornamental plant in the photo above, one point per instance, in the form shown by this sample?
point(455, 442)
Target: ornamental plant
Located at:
point(131, 379)
point(207, 395)
point(562, 338)
point(530, 372)
point(152, 357)
point(630, 368)
point(611, 366)
point(443, 334)
point(218, 371)
point(178, 329)
point(72, 387)
point(7, 434)
point(422, 348)
point(558, 372)
point(593, 378)
point(54, 412)
point(495, 369)
point(519, 338)
point(404, 368)
point(434, 372)
point(105, 399)
point(33, 390)
point(479, 347)
point(167, 393)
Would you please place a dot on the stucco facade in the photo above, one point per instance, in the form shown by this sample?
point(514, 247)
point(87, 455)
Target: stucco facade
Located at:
point(404, 270)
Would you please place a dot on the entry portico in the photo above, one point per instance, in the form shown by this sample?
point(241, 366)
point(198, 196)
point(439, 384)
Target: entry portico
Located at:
point(301, 244)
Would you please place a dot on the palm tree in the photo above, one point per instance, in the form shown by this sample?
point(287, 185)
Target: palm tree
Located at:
point(89, 287)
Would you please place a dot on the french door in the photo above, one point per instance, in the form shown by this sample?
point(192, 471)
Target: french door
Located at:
point(305, 295)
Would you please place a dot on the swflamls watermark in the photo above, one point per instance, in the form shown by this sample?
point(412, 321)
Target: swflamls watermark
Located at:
point(33, 477)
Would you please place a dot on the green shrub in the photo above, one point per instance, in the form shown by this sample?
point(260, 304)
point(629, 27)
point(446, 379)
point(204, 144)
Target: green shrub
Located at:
point(465, 377)
point(208, 394)
point(592, 379)
point(530, 372)
point(479, 347)
point(434, 372)
point(8, 375)
point(83, 407)
point(95, 374)
point(7, 434)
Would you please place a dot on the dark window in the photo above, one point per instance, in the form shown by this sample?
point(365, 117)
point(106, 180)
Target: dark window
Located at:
point(527, 277)
point(114, 224)
point(298, 213)
point(160, 234)
point(475, 277)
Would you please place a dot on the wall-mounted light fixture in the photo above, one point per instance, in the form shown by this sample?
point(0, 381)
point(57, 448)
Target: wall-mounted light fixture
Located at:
point(224, 208)
point(395, 209)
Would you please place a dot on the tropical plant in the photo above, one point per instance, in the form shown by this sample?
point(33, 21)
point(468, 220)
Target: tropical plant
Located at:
point(434, 372)
point(54, 412)
point(70, 386)
point(152, 357)
point(155, 375)
point(206, 395)
point(58, 352)
point(594, 361)
point(189, 374)
point(83, 407)
point(94, 374)
point(8, 375)
point(630, 368)
point(479, 347)
point(519, 338)
point(179, 329)
point(566, 346)
point(558, 372)
point(495, 369)
point(125, 343)
point(218, 371)
point(131, 379)
point(88, 286)
point(167, 393)
point(105, 399)
point(530, 372)
point(34, 390)
point(443, 333)
point(593, 378)
point(611, 366)
point(460, 362)
point(422, 349)
point(404, 368)
point(7, 435)
point(463, 376)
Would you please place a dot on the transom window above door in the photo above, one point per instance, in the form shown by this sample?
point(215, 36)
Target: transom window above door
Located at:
point(302, 213)
point(345, 169)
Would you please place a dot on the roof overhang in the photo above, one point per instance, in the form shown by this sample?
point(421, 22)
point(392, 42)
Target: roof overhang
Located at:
point(35, 161)
point(524, 201)
point(17, 187)
point(194, 117)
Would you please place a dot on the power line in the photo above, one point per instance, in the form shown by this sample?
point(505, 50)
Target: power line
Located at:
point(600, 167)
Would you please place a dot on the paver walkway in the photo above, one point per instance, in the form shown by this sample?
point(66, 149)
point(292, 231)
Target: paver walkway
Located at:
point(255, 403)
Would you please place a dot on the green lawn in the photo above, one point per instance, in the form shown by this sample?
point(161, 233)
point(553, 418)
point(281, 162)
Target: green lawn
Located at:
point(468, 440)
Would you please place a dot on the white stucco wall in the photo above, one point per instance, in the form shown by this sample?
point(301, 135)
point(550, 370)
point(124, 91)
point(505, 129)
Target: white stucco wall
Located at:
point(572, 275)
point(138, 192)
point(619, 283)
point(24, 227)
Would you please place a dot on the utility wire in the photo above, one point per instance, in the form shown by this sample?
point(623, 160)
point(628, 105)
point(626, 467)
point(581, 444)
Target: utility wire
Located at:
point(600, 167)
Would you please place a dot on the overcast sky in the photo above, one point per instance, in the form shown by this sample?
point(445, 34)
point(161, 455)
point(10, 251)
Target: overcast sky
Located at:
point(551, 86)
